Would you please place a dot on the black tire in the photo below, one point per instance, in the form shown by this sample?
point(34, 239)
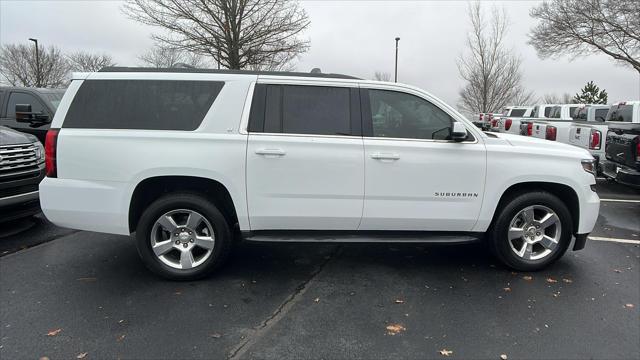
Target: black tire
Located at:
point(498, 236)
point(189, 201)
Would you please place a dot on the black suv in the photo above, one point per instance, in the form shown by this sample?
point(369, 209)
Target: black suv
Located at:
point(21, 169)
point(29, 110)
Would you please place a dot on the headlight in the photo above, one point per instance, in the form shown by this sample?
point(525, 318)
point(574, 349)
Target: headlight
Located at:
point(589, 165)
point(39, 151)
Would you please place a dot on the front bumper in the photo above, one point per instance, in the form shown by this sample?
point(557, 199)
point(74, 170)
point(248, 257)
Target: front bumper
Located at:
point(19, 194)
point(621, 173)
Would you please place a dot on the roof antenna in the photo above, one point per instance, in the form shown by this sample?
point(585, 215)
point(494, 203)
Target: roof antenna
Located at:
point(316, 71)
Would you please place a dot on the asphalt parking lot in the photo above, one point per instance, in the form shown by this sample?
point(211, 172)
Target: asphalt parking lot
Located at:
point(68, 294)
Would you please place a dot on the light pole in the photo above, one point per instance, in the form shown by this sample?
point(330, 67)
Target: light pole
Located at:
point(37, 62)
point(396, 77)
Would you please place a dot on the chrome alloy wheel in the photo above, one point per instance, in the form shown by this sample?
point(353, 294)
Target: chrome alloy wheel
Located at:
point(182, 239)
point(534, 232)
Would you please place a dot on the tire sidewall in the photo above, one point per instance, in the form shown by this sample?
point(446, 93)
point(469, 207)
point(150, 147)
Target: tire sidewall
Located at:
point(500, 242)
point(190, 202)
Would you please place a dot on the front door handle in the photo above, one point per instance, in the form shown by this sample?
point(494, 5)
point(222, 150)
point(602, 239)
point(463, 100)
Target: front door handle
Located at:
point(270, 152)
point(385, 156)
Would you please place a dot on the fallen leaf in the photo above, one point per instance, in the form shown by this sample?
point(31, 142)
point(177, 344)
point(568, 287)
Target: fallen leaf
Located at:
point(120, 321)
point(316, 300)
point(507, 289)
point(527, 277)
point(177, 292)
point(551, 280)
point(503, 356)
point(121, 337)
point(216, 335)
point(629, 306)
point(617, 270)
point(446, 352)
point(54, 332)
point(82, 355)
point(395, 329)
point(44, 358)
point(399, 301)
point(568, 281)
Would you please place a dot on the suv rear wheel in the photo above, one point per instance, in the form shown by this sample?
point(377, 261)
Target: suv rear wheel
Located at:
point(183, 237)
point(531, 231)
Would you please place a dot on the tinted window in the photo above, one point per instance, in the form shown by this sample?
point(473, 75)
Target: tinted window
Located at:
point(547, 111)
point(53, 97)
point(142, 104)
point(555, 112)
point(22, 99)
point(601, 114)
point(534, 113)
point(400, 115)
point(315, 110)
point(296, 109)
point(581, 114)
point(518, 112)
point(620, 113)
point(572, 111)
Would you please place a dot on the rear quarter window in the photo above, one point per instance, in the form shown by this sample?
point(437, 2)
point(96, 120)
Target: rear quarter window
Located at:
point(141, 104)
point(518, 112)
point(620, 113)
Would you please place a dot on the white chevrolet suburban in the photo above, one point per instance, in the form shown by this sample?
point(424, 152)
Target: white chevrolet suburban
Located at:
point(186, 159)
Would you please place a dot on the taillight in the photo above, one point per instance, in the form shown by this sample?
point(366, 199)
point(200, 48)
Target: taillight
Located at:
point(50, 145)
point(507, 124)
point(530, 129)
point(594, 140)
point(494, 123)
point(637, 148)
point(480, 117)
point(552, 131)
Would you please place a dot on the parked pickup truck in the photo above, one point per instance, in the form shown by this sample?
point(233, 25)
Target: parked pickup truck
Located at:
point(539, 112)
point(21, 169)
point(186, 158)
point(623, 145)
point(589, 131)
point(510, 113)
point(556, 127)
point(29, 110)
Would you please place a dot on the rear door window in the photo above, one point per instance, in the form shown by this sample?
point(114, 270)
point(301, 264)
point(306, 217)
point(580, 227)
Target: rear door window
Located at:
point(547, 111)
point(601, 114)
point(518, 112)
point(142, 104)
point(301, 109)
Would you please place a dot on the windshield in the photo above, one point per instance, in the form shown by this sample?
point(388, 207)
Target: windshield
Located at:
point(54, 97)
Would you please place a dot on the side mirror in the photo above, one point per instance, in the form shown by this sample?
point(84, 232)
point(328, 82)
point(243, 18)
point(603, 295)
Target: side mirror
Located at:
point(459, 132)
point(24, 113)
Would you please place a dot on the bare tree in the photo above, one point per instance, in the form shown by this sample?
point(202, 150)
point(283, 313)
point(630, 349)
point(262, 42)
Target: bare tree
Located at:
point(237, 33)
point(18, 66)
point(523, 97)
point(581, 27)
point(161, 56)
point(565, 98)
point(381, 76)
point(89, 62)
point(492, 71)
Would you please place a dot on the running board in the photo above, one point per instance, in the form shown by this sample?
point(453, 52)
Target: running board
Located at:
point(439, 237)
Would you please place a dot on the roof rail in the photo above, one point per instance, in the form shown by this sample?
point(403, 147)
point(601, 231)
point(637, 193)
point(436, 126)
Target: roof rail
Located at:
point(224, 71)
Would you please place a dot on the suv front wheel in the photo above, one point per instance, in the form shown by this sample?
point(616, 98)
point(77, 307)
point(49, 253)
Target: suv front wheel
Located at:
point(183, 237)
point(531, 231)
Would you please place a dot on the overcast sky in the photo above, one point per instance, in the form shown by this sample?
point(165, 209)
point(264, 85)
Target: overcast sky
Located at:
point(355, 38)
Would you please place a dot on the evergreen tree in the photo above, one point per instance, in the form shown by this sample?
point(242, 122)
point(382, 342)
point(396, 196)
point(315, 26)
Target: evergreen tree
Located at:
point(591, 94)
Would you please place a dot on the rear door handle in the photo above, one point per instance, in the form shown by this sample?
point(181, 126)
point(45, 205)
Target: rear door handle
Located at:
point(385, 156)
point(270, 152)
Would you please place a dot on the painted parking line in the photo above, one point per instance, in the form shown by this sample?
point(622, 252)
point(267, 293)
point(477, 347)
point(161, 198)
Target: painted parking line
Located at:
point(623, 241)
point(620, 200)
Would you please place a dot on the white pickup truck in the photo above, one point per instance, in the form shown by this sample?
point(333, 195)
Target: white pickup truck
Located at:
point(192, 160)
point(589, 131)
point(510, 120)
point(556, 127)
point(521, 126)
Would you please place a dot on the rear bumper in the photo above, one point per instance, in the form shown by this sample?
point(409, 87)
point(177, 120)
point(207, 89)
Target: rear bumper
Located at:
point(86, 205)
point(620, 173)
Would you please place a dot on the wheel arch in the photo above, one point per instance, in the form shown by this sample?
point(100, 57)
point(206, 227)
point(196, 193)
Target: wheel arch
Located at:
point(564, 192)
point(150, 189)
